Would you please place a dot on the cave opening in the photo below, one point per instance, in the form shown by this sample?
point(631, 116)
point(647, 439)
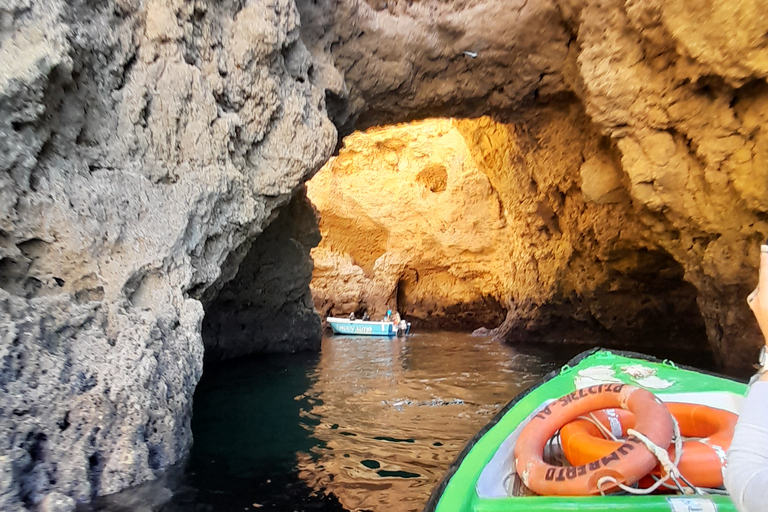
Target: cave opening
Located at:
point(518, 225)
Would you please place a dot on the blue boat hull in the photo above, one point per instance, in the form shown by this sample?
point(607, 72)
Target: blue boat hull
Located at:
point(362, 327)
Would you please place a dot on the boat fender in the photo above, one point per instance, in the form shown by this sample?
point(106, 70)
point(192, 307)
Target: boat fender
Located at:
point(702, 461)
point(627, 463)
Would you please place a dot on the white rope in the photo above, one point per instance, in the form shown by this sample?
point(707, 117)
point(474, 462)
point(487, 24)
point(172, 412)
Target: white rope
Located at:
point(670, 468)
point(602, 428)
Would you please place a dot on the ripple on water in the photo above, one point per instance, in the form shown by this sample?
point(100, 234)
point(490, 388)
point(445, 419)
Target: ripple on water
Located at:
point(369, 424)
point(413, 404)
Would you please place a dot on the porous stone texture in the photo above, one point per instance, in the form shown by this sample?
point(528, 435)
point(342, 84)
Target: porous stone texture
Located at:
point(678, 89)
point(393, 60)
point(145, 146)
point(142, 146)
point(685, 114)
point(267, 306)
point(461, 223)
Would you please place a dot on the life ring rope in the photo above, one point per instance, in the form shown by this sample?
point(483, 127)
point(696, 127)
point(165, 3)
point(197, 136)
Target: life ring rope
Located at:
point(627, 463)
point(670, 468)
point(606, 433)
point(705, 435)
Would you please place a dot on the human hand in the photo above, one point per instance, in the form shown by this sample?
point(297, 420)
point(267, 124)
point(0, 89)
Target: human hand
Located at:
point(758, 299)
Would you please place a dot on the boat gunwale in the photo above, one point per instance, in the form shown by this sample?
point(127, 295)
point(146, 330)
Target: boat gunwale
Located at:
point(330, 319)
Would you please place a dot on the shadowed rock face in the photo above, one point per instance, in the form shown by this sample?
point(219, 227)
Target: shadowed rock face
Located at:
point(141, 145)
point(144, 147)
point(267, 307)
point(398, 60)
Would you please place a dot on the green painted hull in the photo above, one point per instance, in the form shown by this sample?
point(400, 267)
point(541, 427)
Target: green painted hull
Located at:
point(466, 486)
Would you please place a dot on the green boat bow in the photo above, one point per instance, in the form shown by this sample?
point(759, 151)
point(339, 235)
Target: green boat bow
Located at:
point(482, 478)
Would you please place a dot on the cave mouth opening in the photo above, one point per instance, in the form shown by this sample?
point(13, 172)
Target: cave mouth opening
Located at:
point(522, 226)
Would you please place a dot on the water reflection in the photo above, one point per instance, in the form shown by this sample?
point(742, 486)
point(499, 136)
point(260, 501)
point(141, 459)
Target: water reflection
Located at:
point(368, 424)
point(392, 414)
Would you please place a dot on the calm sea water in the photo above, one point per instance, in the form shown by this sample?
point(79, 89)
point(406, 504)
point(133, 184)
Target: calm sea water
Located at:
point(368, 424)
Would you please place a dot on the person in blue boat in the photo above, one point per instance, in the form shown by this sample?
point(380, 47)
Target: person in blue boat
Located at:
point(746, 476)
point(388, 315)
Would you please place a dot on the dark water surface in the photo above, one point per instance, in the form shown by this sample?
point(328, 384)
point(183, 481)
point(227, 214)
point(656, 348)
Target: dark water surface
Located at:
point(369, 424)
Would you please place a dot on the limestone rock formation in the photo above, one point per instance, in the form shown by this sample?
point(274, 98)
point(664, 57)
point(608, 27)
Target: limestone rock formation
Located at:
point(455, 223)
point(401, 209)
point(141, 145)
point(267, 306)
point(393, 60)
point(678, 89)
point(145, 146)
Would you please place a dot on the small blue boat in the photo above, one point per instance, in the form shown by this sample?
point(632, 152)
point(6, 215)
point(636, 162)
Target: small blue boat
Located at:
point(368, 327)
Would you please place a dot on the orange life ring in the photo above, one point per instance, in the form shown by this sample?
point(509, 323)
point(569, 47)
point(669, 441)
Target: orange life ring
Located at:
point(627, 463)
point(702, 460)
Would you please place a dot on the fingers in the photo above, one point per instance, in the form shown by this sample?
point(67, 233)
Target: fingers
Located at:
point(762, 282)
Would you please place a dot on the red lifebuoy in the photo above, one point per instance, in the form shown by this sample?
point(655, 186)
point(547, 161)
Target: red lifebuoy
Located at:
point(702, 460)
point(627, 463)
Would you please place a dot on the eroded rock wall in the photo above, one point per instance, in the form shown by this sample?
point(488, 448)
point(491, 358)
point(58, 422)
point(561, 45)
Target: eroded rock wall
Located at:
point(685, 112)
point(142, 145)
point(385, 61)
point(400, 211)
point(459, 223)
point(267, 306)
point(678, 88)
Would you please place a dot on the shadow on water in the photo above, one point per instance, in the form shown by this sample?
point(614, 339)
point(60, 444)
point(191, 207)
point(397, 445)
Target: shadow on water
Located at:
point(247, 435)
point(369, 424)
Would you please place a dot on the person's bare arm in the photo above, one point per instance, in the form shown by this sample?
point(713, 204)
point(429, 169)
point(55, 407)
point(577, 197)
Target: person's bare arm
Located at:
point(758, 299)
point(746, 476)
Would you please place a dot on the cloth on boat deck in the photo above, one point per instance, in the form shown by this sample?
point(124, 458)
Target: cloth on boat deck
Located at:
point(746, 476)
point(601, 374)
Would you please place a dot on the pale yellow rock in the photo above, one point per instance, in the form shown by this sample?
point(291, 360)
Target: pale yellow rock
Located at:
point(161, 22)
point(601, 181)
point(456, 222)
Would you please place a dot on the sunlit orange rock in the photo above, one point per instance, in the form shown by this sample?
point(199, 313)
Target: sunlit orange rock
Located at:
point(462, 223)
